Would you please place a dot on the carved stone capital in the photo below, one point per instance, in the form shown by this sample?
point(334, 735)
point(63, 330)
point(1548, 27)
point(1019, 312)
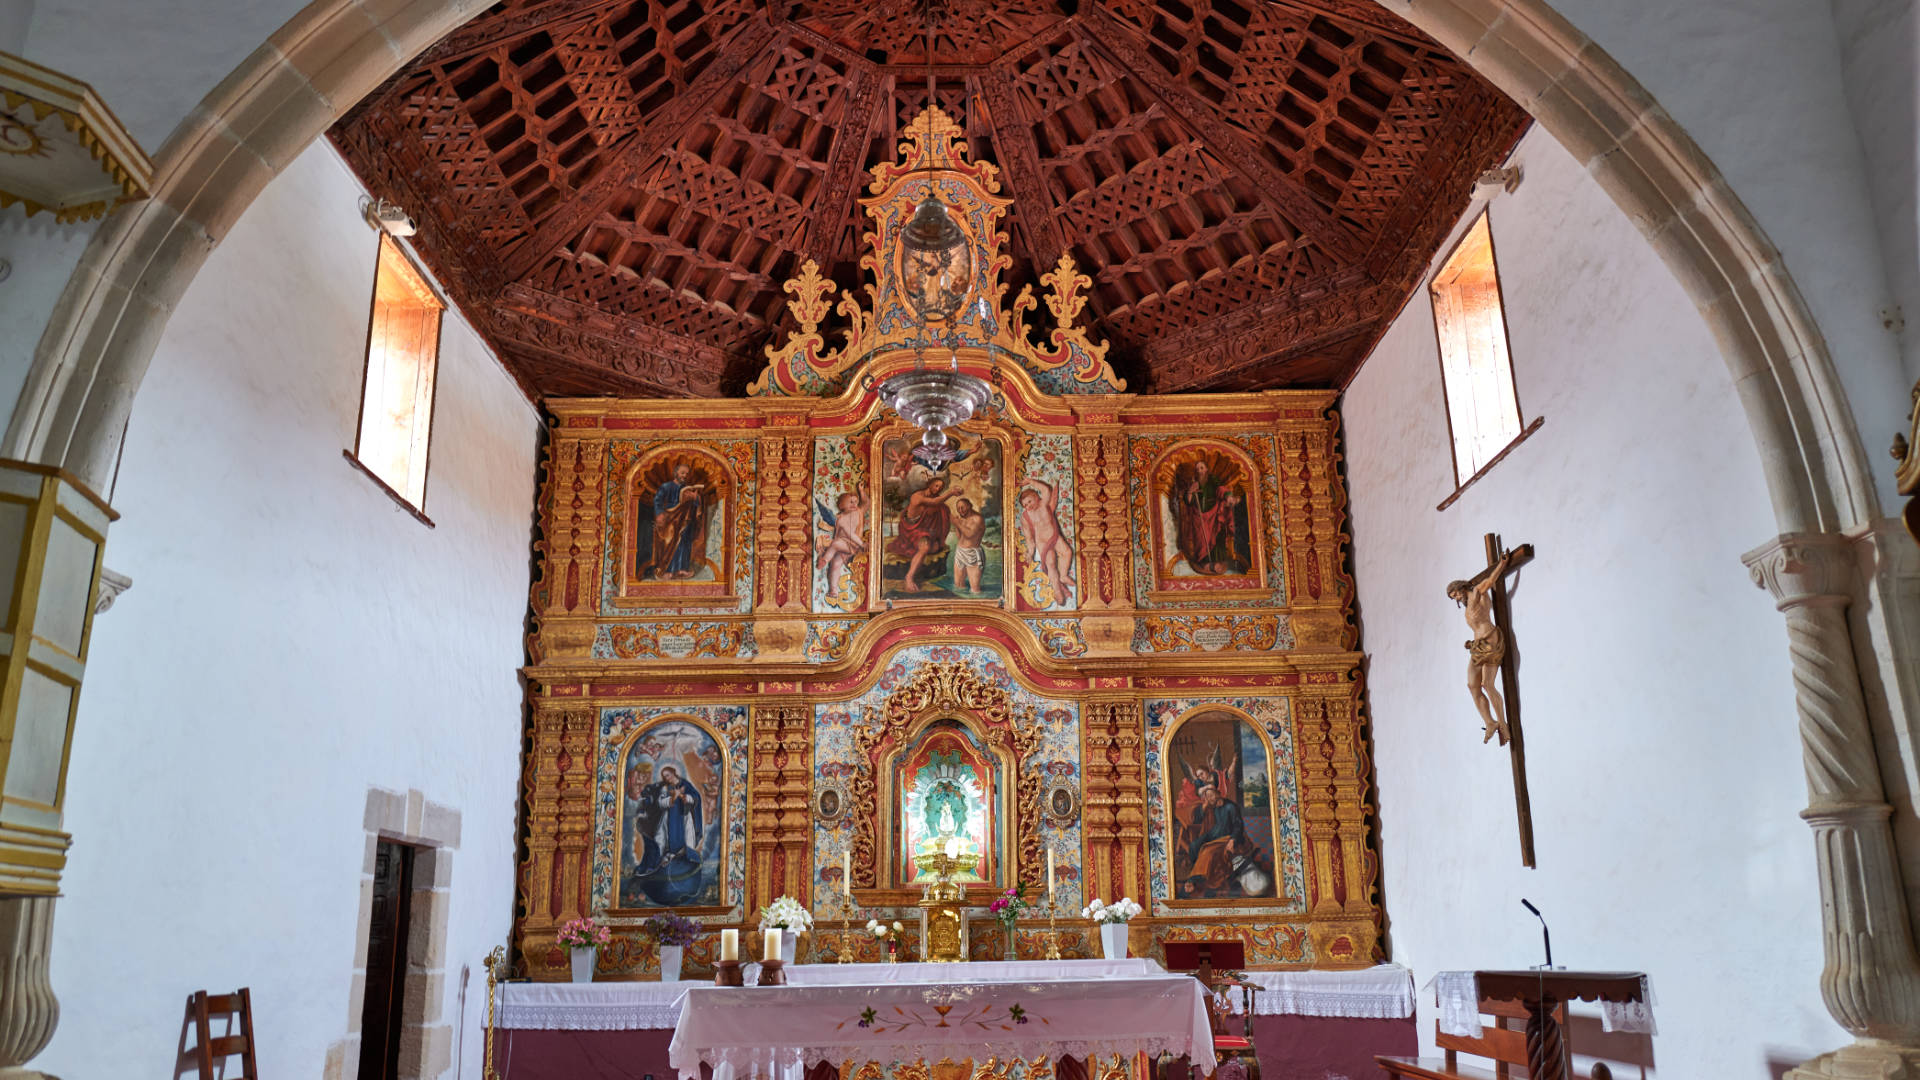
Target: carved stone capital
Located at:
point(112, 584)
point(1804, 568)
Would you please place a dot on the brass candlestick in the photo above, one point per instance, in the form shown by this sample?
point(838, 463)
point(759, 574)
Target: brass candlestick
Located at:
point(493, 961)
point(1053, 930)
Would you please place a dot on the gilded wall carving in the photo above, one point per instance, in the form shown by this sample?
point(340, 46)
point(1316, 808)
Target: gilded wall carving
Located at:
point(772, 651)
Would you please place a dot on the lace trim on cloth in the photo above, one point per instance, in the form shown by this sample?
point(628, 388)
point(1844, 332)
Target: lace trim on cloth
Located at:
point(772, 1060)
point(1634, 1017)
point(1457, 995)
point(1384, 992)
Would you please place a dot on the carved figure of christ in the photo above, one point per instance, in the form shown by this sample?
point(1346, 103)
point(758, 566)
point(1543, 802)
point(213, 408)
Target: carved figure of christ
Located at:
point(1484, 598)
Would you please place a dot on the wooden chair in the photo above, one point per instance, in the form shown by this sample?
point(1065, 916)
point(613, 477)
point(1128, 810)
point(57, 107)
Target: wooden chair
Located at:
point(1503, 1041)
point(202, 1007)
point(1233, 1052)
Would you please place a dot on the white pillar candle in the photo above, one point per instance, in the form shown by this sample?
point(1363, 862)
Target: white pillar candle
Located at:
point(729, 944)
point(770, 948)
point(1049, 873)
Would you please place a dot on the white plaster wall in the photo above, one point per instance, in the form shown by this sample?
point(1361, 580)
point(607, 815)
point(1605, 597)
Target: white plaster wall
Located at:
point(1663, 758)
point(291, 639)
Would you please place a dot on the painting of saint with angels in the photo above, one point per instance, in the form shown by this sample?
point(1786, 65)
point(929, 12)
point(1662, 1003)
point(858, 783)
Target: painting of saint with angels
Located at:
point(673, 820)
point(942, 536)
point(1208, 503)
point(1220, 786)
point(678, 517)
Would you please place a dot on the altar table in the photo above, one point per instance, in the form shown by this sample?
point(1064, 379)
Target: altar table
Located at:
point(956, 1013)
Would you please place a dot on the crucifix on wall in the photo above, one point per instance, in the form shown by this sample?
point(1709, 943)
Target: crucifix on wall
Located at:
point(1484, 596)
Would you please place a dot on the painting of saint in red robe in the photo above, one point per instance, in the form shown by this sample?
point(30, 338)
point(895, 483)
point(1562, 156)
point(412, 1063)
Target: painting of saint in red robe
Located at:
point(1222, 810)
point(1208, 501)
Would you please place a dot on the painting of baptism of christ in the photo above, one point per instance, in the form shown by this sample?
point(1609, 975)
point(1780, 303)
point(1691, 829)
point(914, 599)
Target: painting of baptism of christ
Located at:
point(942, 535)
point(947, 787)
point(1220, 783)
point(678, 546)
point(1208, 531)
point(673, 818)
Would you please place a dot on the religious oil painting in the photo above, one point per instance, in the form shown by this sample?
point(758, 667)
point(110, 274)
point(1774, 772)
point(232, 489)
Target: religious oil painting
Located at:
point(673, 817)
point(1220, 785)
point(942, 532)
point(948, 787)
point(1206, 499)
point(678, 545)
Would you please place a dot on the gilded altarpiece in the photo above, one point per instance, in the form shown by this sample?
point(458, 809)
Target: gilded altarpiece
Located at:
point(1157, 682)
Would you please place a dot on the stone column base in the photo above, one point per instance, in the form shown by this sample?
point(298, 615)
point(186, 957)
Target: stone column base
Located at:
point(1868, 1059)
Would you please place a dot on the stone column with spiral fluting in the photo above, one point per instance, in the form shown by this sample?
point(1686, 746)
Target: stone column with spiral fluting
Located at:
point(1871, 978)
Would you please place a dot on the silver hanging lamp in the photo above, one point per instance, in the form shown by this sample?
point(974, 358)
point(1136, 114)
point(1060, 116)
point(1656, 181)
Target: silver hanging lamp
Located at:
point(934, 398)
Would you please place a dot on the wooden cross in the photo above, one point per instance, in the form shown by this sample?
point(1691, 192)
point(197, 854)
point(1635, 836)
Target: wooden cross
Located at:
point(1509, 684)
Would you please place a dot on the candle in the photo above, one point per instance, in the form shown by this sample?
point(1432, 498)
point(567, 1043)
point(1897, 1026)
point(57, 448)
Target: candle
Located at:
point(1049, 873)
point(729, 944)
point(770, 949)
point(846, 873)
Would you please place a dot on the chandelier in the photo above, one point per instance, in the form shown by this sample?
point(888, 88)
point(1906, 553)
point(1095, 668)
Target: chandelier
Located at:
point(934, 251)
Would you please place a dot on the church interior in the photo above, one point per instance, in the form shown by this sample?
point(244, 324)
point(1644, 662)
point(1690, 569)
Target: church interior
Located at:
point(960, 539)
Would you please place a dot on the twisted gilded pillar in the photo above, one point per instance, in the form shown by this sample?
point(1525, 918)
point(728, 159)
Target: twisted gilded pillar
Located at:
point(1871, 978)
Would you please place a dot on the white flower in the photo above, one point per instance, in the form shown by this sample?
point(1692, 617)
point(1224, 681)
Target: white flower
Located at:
point(897, 928)
point(873, 926)
point(785, 913)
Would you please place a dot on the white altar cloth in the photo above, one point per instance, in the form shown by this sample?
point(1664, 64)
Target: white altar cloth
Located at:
point(1382, 992)
point(779, 1031)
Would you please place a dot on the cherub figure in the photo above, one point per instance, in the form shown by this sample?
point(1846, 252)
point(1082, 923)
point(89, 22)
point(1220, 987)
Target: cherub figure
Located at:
point(846, 538)
point(1040, 523)
point(1486, 650)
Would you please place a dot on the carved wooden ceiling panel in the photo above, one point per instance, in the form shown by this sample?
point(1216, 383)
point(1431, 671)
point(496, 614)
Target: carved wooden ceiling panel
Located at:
point(614, 192)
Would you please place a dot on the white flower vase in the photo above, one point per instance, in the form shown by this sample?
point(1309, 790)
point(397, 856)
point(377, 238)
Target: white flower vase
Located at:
point(789, 944)
point(583, 963)
point(1113, 940)
point(670, 960)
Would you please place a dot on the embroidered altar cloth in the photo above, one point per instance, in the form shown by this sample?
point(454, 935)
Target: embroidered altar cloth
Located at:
point(776, 1032)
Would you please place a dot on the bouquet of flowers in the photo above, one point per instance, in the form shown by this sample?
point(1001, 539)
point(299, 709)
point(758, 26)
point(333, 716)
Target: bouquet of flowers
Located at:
point(1101, 912)
point(1010, 905)
point(585, 934)
point(887, 935)
point(785, 913)
point(671, 929)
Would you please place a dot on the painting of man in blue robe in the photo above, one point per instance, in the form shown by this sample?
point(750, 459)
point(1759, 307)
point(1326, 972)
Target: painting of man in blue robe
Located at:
point(674, 820)
point(673, 524)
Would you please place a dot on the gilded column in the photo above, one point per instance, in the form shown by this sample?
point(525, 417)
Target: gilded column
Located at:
point(1113, 799)
point(1105, 536)
point(783, 539)
point(1871, 981)
point(780, 787)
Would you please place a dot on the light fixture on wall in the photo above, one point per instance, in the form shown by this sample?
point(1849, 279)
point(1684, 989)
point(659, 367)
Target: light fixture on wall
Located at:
point(387, 217)
point(932, 243)
point(1495, 181)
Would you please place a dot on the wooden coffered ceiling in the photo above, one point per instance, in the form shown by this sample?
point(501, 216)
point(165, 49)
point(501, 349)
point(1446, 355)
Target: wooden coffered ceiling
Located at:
point(614, 192)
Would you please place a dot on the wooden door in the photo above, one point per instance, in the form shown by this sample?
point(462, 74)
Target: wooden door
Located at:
point(386, 962)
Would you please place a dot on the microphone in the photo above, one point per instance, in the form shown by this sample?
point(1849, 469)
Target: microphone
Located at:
point(1545, 938)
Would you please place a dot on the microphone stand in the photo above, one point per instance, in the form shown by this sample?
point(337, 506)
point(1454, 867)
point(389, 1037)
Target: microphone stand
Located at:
point(1546, 938)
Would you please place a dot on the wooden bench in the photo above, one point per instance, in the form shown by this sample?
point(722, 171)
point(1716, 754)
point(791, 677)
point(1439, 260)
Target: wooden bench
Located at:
point(1503, 1041)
